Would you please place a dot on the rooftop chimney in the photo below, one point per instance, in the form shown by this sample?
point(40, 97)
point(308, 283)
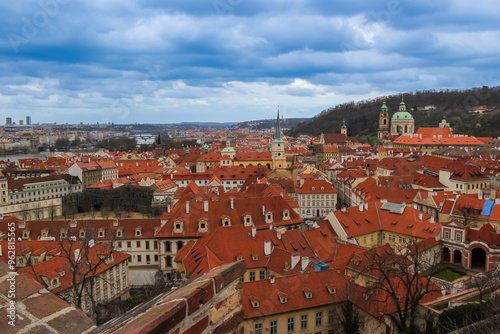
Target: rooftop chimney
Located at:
point(267, 247)
point(361, 208)
point(420, 216)
point(295, 259)
point(344, 209)
point(205, 206)
point(187, 206)
point(231, 201)
point(77, 255)
point(432, 219)
point(254, 230)
point(304, 263)
point(272, 279)
point(366, 206)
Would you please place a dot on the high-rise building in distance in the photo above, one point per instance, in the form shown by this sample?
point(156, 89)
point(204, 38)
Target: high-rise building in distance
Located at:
point(28, 120)
point(8, 121)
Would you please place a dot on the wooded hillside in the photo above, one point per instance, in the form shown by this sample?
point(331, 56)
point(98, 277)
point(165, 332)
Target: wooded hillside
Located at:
point(453, 105)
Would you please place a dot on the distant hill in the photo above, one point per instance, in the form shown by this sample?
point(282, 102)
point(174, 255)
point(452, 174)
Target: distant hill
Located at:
point(268, 124)
point(453, 105)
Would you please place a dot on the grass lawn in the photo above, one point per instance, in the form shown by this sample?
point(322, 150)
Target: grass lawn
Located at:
point(448, 275)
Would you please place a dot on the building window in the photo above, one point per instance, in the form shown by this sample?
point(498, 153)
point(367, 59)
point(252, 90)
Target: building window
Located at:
point(446, 234)
point(458, 236)
point(291, 325)
point(274, 327)
point(258, 328)
point(262, 274)
point(331, 316)
point(169, 261)
point(303, 322)
point(319, 319)
point(252, 276)
point(168, 246)
point(147, 244)
point(139, 258)
point(129, 244)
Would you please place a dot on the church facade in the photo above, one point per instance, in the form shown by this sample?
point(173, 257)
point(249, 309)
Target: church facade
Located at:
point(402, 122)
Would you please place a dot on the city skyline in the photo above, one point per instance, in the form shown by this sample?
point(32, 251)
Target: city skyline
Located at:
point(233, 60)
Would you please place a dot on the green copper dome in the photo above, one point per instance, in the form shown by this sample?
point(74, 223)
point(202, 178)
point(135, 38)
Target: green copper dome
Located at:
point(402, 115)
point(228, 147)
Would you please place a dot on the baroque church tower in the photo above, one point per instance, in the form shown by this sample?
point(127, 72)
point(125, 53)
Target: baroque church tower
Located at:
point(383, 123)
point(343, 129)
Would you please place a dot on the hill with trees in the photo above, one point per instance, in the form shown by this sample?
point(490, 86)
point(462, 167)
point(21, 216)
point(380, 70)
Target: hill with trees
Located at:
point(427, 107)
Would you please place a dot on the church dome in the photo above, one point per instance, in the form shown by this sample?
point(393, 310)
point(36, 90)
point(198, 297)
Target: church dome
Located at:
point(402, 115)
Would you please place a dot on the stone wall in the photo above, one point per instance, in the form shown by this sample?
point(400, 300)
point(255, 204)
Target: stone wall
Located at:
point(210, 303)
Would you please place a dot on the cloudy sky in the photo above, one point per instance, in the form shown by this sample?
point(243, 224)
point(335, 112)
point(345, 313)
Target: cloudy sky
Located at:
point(164, 61)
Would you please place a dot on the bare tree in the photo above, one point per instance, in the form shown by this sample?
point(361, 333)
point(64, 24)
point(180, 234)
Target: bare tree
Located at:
point(52, 212)
point(25, 253)
point(403, 281)
point(38, 211)
point(349, 318)
point(25, 212)
point(485, 282)
point(84, 258)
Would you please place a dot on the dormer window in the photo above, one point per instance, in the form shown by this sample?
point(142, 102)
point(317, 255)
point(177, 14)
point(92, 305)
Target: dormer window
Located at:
point(247, 220)
point(26, 234)
point(239, 257)
point(119, 232)
point(307, 293)
point(45, 233)
point(178, 227)
point(64, 234)
point(138, 232)
point(269, 217)
point(286, 214)
point(330, 288)
point(255, 257)
point(255, 301)
point(203, 226)
point(283, 297)
point(356, 262)
point(225, 220)
point(101, 233)
point(313, 188)
point(82, 233)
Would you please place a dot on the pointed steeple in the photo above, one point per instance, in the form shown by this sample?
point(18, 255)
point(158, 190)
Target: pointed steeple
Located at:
point(158, 140)
point(277, 135)
point(343, 124)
